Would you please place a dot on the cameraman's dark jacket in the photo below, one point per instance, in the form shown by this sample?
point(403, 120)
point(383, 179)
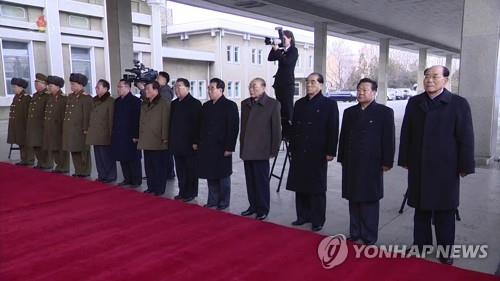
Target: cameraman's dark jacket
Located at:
point(286, 66)
point(167, 93)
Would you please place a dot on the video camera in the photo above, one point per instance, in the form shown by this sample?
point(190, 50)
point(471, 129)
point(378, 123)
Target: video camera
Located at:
point(276, 41)
point(140, 73)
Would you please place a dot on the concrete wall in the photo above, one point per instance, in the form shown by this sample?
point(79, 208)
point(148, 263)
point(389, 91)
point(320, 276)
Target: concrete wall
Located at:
point(40, 56)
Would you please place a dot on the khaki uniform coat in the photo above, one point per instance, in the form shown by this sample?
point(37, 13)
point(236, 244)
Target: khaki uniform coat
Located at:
point(36, 114)
point(154, 124)
point(76, 122)
point(53, 122)
point(101, 120)
point(18, 116)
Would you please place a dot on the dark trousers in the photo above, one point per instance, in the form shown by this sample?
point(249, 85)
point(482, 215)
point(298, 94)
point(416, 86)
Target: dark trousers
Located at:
point(284, 94)
point(82, 162)
point(444, 224)
point(155, 162)
point(132, 171)
point(219, 192)
point(170, 165)
point(364, 221)
point(186, 175)
point(104, 162)
point(257, 180)
point(27, 155)
point(311, 207)
point(61, 158)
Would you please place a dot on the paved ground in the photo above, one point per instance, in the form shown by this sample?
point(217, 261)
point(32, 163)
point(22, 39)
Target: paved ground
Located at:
point(480, 203)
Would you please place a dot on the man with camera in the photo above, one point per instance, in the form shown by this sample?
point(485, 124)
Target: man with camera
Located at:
point(284, 51)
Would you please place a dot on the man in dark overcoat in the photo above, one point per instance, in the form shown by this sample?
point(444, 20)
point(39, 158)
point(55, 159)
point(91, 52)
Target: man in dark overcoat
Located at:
point(183, 139)
point(260, 140)
point(218, 133)
point(366, 151)
point(125, 134)
point(437, 148)
point(313, 144)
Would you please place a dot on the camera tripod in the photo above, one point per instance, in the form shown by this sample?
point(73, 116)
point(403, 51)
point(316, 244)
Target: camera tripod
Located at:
point(287, 156)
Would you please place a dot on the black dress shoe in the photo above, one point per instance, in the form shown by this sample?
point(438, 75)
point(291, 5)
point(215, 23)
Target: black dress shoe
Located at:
point(189, 199)
point(157, 194)
point(316, 228)
point(83, 176)
point(135, 185)
point(39, 167)
point(74, 175)
point(222, 207)
point(447, 261)
point(299, 222)
point(248, 212)
point(123, 183)
point(148, 191)
point(178, 197)
point(352, 238)
point(209, 205)
point(261, 217)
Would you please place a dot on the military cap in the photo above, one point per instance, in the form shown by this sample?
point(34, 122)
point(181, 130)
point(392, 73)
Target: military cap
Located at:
point(40, 77)
point(55, 80)
point(19, 82)
point(79, 78)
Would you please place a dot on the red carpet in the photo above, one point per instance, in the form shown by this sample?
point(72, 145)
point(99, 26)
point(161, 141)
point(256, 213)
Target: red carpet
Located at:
point(54, 227)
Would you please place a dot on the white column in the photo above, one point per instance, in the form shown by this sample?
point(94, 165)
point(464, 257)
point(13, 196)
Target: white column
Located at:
point(54, 44)
point(320, 45)
point(480, 71)
point(422, 64)
point(107, 67)
point(155, 34)
point(383, 61)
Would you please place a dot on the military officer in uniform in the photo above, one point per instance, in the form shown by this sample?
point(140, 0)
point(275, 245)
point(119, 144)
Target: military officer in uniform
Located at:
point(76, 124)
point(313, 144)
point(53, 125)
point(99, 133)
point(34, 131)
point(18, 117)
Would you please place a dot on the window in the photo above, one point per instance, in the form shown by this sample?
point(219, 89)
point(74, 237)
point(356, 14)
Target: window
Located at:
point(297, 89)
point(80, 63)
point(259, 57)
point(135, 30)
point(202, 89)
point(16, 61)
point(236, 54)
point(311, 62)
point(253, 56)
point(229, 89)
point(237, 90)
point(14, 12)
point(192, 88)
point(79, 22)
point(228, 51)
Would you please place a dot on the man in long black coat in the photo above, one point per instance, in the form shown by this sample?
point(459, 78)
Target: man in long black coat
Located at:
point(437, 147)
point(125, 134)
point(313, 144)
point(183, 139)
point(218, 133)
point(366, 151)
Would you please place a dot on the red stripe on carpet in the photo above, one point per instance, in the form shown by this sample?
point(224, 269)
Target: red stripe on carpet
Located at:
point(78, 230)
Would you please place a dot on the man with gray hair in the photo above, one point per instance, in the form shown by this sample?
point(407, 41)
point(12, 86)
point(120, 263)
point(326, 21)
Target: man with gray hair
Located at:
point(260, 140)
